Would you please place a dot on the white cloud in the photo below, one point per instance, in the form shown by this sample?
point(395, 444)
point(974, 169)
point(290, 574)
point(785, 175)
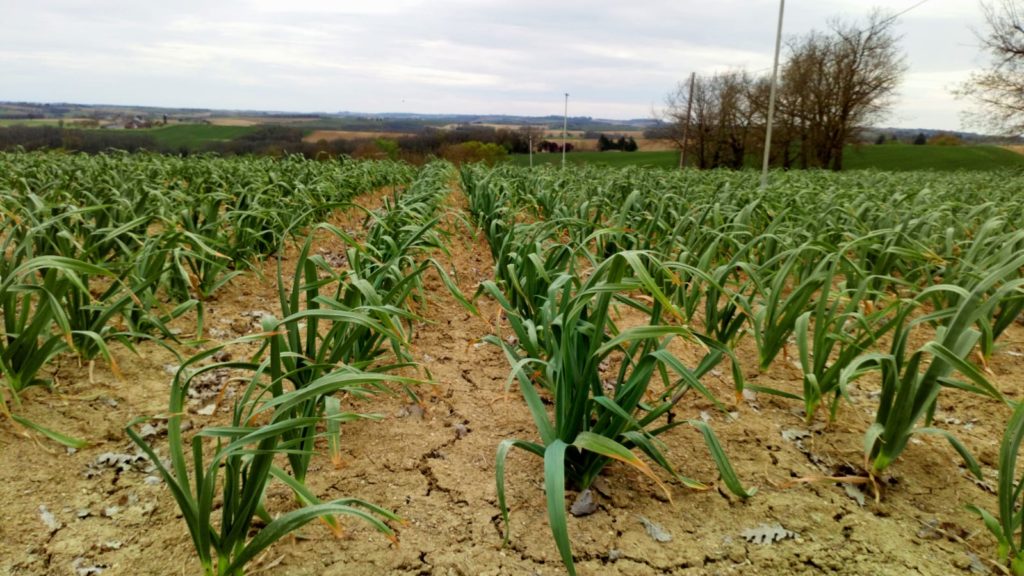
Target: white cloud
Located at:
point(475, 56)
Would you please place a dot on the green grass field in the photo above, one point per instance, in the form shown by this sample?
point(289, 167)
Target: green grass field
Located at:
point(194, 135)
point(890, 157)
point(903, 157)
point(30, 121)
point(667, 159)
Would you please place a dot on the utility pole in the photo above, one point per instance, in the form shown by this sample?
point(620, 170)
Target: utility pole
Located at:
point(529, 133)
point(686, 125)
point(771, 99)
point(565, 127)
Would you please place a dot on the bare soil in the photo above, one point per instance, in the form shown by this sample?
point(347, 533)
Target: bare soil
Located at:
point(434, 465)
point(331, 135)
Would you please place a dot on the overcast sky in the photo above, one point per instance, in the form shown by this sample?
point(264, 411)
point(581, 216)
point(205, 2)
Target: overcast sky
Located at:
point(616, 58)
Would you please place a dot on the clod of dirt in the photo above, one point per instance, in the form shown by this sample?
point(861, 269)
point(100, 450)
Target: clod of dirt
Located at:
point(110, 545)
point(208, 383)
point(334, 259)
point(767, 534)
point(976, 565)
point(655, 531)
point(241, 326)
point(49, 520)
point(750, 397)
point(460, 430)
point(933, 529)
point(584, 504)
point(413, 410)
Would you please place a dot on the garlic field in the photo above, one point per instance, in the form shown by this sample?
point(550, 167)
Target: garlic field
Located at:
point(282, 366)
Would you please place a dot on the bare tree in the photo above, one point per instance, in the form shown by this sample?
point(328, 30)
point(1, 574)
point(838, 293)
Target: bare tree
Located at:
point(833, 84)
point(722, 118)
point(999, 90)
point(836, 83)
point(532, 135)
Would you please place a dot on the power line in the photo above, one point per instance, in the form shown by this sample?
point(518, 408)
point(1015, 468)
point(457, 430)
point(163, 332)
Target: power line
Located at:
point(898, 14)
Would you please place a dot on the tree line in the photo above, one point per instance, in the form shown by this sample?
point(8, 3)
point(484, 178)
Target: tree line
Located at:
point(831, 85)
point(623, 143)
point(89, 141)
point(461, 144)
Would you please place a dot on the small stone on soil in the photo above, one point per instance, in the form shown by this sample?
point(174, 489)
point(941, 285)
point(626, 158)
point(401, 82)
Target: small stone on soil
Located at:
point(49, 520)
point(584, 504)
point(655, 531)
point(148, 430)
point(854, 491)
point(81, 569)
point(767, 534)
point(794, 434)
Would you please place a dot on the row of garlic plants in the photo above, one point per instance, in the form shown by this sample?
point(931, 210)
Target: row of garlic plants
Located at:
point(613, 390)
point(115, 247)
point(100, 247)
point(832, 263)
point(343, 335)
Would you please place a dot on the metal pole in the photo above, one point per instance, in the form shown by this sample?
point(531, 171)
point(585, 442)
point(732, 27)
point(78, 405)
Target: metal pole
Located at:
point(771, 99)
point(686, 125)
point(565, 127)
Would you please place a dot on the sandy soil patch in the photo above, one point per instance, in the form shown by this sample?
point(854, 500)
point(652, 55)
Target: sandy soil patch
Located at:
point(331, 135)
point(233, 122)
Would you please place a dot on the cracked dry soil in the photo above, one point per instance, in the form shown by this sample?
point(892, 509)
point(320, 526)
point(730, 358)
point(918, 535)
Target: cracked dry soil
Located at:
point(433, 464)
